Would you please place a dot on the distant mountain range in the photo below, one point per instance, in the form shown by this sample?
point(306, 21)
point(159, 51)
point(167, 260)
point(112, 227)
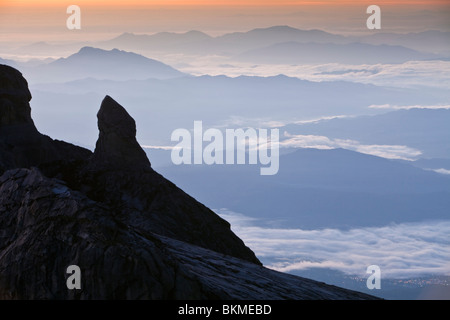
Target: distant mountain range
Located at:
point(101, 64)
point(239, 42)
point(227, 44)
point(434, 43)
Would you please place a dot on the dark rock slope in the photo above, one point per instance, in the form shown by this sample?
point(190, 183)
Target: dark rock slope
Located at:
point(133, 233)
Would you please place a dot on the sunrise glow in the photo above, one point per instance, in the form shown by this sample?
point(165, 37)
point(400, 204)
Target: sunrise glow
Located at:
point(7, 3)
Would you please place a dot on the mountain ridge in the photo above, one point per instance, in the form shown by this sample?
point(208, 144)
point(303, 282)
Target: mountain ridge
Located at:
point(234, 43)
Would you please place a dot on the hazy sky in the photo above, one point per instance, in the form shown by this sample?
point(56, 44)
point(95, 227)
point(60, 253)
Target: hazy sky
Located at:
point(32, 21)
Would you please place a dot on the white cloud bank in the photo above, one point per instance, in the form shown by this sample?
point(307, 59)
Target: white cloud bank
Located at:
point(323, 142)
point(401, 250)
point(441, 171)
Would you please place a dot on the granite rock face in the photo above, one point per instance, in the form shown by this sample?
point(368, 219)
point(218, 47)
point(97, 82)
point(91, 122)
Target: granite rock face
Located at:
point(46, 226)
point(133, 233)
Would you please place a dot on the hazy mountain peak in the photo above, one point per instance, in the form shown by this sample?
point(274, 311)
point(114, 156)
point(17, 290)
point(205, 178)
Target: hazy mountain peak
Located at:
point(89, 50)
point(282, 28)
point(290, 30)
point(97, 51)
point(114, 64)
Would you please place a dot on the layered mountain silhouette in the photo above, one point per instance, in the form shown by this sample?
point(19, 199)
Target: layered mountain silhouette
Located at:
point(389, 46)
point(285, 44)
point(134, 234)
point(229, 44)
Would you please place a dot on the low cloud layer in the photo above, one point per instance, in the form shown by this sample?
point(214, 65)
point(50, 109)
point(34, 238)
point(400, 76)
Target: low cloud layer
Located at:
point(441, 171)
point(322, 142)
point(401, 250)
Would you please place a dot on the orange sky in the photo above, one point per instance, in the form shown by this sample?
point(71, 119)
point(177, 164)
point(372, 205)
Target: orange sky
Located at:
point(45, 20)
point(219, 2)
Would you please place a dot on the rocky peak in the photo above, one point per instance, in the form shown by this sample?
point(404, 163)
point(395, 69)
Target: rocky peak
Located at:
point(117, 146)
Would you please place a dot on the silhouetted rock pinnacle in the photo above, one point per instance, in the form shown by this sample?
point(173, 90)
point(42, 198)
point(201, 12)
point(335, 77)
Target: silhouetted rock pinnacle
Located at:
point(119, 174)
point(132, 233)
point(117, 146)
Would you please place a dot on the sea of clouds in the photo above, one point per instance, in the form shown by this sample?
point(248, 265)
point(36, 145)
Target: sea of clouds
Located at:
point(401, 250)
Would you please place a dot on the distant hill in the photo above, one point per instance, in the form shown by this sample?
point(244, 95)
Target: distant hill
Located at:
point(158, 42)
point(351, 53)
point(102, 64)
point(46, 49)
